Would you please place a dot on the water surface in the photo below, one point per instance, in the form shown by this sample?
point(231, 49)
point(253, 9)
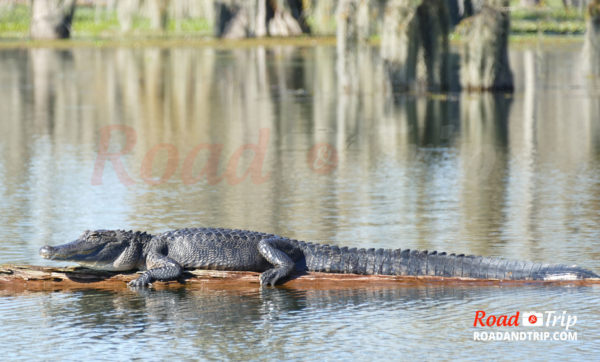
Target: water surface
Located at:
point(267, 139)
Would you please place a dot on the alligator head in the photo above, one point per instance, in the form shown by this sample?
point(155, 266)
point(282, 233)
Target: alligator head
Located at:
point(115, 250)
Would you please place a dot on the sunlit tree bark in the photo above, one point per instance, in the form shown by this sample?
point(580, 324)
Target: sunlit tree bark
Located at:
point(352, 18)
point(459, 9)
point(255, 18)
point(484, 52)
point(592, 39)
point(322, 15)
point(157, 12)
point(415, 37)
point(51, 19)
point(530, 3)
point(126, 9)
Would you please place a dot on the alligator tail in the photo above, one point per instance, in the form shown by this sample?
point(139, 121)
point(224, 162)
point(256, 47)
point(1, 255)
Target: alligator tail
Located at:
point(333, 259)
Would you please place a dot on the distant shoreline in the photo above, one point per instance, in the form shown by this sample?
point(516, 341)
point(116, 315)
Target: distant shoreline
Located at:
point(90, 28)
point(210, 42)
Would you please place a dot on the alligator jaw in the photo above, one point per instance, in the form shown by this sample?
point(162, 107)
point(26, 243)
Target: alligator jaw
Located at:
point(57, 253)
point(63, 252)
point(111, 250)
point(77, 251)
point(47, 252)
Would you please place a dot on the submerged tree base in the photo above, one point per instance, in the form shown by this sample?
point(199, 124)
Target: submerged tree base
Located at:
point(21, 278)
point(484, 54)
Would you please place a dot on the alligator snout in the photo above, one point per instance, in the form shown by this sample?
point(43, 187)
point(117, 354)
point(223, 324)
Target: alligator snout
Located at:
point(47, 251)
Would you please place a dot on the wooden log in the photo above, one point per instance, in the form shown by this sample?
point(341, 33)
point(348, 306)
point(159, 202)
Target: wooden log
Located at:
point(23, 278)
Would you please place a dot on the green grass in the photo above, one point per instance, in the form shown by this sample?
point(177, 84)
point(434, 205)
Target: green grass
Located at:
point(550, 17)
point(200, 26)
point(547, 27)
point(84, 22)
point(87, 24)
point(14, 21)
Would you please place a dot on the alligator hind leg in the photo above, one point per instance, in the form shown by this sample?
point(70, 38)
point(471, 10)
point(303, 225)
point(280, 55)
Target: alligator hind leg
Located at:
point(160, 267)
point(271, 250)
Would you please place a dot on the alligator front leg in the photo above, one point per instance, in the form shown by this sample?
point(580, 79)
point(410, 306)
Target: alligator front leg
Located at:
point(159, 267)
point(270, 249)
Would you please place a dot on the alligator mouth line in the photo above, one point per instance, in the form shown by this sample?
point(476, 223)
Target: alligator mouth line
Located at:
point(52, 253)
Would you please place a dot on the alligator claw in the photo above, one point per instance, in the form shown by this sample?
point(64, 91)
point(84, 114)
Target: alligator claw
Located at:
point(138, 283)
point(270, 277)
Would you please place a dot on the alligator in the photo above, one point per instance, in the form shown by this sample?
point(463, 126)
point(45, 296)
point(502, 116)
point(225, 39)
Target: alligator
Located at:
point(165, 256)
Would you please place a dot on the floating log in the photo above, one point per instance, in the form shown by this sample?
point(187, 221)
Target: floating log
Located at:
point(21, 278)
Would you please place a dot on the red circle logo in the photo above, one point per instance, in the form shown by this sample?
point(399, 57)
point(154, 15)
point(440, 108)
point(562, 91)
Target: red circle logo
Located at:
point(322, 158)
point(532, 319)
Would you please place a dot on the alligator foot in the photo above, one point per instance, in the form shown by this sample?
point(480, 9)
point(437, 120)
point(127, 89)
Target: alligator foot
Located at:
point(270, 249)
point(272, 276)
point(141, 282)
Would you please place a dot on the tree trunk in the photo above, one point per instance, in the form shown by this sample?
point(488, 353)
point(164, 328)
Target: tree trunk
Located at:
point(591, 46)
point(126, 9)
point(51, 19)
point(236, 18)
point(459, 9)
point(400, 42)
point(484, 53)
point(435, 27)
point(414, 44)
point(322, 15)
point(252, 18)
point(157, 12)
point(530, 3)
point(286, 19)
point(352, 17)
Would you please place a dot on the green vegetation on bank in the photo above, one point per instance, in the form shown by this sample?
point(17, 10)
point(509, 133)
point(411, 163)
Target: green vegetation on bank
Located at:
point(88, 23)
point(14, 21)
point(549, 18)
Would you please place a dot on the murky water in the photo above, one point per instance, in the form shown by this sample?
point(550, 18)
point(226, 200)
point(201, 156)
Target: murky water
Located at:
point(267, 139)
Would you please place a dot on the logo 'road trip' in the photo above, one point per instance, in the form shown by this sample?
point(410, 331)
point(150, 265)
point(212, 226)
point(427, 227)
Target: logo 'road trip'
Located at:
point(533, 319)
point(549, 319)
